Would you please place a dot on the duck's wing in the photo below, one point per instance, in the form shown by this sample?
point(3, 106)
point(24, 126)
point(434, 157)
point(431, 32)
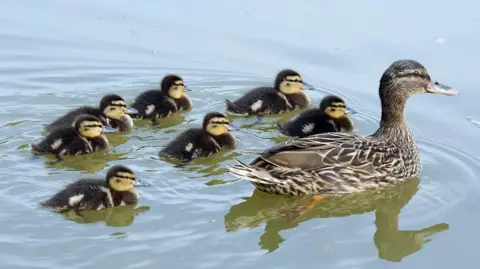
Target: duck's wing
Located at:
point(329, 155)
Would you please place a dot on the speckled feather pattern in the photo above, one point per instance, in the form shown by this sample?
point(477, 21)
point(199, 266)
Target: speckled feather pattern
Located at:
point(341, 163)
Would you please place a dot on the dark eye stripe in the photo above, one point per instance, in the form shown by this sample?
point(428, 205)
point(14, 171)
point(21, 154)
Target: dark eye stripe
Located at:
point(92, 126)
point(294, 80)
point(122, 105)
point(124, 177)
point(417, 75)
point(219, 122)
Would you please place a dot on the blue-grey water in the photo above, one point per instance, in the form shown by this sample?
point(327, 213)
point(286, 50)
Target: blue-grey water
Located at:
point(56, 55)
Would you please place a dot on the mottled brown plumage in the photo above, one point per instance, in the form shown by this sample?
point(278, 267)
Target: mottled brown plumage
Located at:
point(345, 162)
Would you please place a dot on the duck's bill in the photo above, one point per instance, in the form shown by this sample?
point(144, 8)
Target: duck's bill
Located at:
point(131, 110)
point(108, 129)
point(307, 86)
point(187, 89)
point(437, 87)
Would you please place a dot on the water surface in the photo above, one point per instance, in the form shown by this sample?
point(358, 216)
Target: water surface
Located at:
point(56, 55)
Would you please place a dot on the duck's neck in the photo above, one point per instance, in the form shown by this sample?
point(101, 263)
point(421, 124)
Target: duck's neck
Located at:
point(393, 124)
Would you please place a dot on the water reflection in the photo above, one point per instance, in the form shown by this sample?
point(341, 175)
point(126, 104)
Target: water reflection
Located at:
point(91, 163)
point(283, 213)
point(115, 217)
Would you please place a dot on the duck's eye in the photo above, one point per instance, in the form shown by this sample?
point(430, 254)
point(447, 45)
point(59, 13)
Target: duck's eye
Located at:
point(118, 180)
point(112, 108)
point(332, 109)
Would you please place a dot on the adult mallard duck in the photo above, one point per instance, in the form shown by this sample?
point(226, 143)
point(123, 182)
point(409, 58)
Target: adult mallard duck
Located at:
point(338, 163)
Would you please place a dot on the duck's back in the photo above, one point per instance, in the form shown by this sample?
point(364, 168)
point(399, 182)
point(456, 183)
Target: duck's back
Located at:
point(262, 100)
point(154, 103)
point(68, 119)
point(194, 142)
point(84, 194)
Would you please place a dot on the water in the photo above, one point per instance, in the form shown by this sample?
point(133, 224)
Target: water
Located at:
point(56, 55)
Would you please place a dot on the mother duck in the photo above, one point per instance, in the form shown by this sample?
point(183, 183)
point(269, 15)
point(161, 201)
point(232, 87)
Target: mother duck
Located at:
point(340, 163)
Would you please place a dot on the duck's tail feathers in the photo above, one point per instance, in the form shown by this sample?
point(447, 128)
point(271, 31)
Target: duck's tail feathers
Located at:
point(234, 109)
point(36, 150)
point(245, 172)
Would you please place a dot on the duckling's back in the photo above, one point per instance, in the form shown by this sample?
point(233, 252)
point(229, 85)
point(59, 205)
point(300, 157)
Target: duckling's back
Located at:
point(68, 119)
point(194, 142)
point(84, 194)
point(262, 100)
point(309, 122)
point(154, 103)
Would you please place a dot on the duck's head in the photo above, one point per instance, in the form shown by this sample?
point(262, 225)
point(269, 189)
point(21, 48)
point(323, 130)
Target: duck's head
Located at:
point(407, 77)
point(174, 86)
point(334, 107)
point(90, 126)
point(121, 178)
point(290, 82)
point(216, 123)
point(115, 107)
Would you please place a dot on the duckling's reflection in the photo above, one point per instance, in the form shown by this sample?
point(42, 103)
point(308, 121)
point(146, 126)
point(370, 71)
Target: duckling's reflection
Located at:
point(281, 213)
point(115, 216)
point(208, 166)
point(167, 122)
point(91, 163)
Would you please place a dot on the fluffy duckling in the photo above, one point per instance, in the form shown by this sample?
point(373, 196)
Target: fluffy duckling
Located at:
point(85, 136)
point(331, 116)
point(112, 111)
point(171, 98)
point(287, 94)
point(201, 142)
point(96, 194)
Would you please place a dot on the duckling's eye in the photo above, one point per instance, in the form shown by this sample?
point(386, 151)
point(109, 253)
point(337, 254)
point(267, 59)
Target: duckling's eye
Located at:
point(332, 109)
point(112, 108)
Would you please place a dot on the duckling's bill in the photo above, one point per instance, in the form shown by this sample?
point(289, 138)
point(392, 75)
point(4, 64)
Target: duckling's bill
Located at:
point(108, 129)
point(131, 110)
point(307, 86)
point(437, 87)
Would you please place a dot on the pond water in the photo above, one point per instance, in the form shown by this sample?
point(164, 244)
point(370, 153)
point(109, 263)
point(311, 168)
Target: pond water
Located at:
point(56, 55)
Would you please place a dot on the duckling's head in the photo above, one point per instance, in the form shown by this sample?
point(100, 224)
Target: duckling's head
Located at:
point(407, 77)
point(115, 107)
point(121, 178)
point(89, 126)
point(334, 107)
point(174, 86)
point(289, 82)
point(216, 123)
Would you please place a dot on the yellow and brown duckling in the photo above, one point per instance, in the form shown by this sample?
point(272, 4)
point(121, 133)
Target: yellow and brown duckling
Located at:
point(97, 194)
point(339, 163)
point(286, 94)
point(213, 137)
point(171, 98)
point(113, 112)
point(331, 116)
point(85, 136)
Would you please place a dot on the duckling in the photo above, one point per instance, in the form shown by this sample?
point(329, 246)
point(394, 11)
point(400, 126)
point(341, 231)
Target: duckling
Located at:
point(112, 111)
point(171, 98)
point(85, 136)
point(202, 142)
point(285, 95)
point(341, 163)
point(96, 194)
point(331, 116)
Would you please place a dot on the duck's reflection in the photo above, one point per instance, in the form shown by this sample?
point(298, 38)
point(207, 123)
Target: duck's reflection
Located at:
point(282, 213)
point(116, 216)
